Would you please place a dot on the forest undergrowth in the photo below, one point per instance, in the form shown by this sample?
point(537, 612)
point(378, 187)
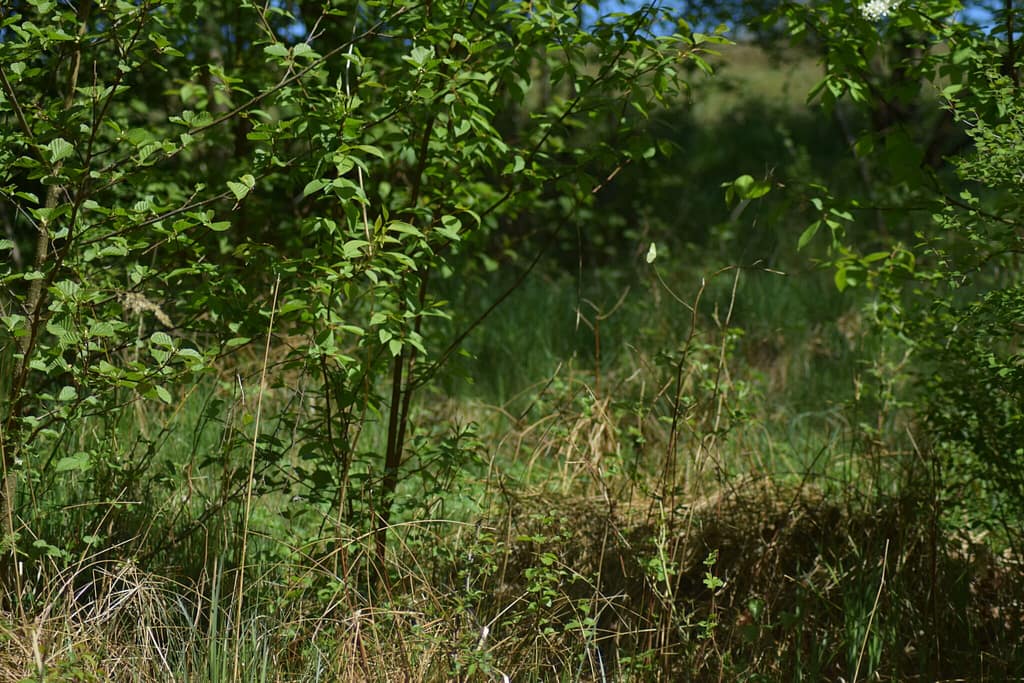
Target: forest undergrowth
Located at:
point(782, 542)
point(430, 341)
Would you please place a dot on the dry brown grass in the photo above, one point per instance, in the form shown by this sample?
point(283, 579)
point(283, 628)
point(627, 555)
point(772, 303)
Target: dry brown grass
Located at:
point(556, 587)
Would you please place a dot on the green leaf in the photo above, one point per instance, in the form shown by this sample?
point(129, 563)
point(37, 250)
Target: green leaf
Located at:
point(748, 188)
point(403, 228)
point(840, 279)
point(313, 186)
point(420, 55)
point(79, 462)
point(876, 256)
point(808, 235)
point(161, 339)
point(354, 248)
point(163, 394)
point(59, 149)
point(49, 550)
point(243, 187)
point(276, 50)
point(67, 394)
point(101, 328)
point(950, 90)
point(67, 289)
point(450, 226)
point(370, 149)
point(14, 322)
point(864, 146)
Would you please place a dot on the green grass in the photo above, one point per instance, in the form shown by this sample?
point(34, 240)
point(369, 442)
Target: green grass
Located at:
point(539, 547)
point(748, 72)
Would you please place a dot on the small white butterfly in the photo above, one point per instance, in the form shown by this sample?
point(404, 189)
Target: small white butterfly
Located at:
point(652, 253)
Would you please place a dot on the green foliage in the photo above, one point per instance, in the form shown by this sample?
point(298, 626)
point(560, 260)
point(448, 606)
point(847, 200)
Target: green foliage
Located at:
point(250, 248)
point(943, 256)
point(183, 189)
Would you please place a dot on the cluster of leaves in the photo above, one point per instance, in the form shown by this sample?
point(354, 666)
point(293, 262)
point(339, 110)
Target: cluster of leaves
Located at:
point(939, 103)
point(181, 181)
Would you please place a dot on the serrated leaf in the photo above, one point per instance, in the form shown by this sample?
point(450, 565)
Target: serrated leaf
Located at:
point(276, 50)
point(238, 189)
point(101, 328)
point(106, 369)
point(67, 393)
point(243, 187)
point(63, 331)
point(59, 149)
point(161, 339)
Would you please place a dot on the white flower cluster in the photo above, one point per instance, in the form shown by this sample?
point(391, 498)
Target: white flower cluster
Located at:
point(873, 10)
